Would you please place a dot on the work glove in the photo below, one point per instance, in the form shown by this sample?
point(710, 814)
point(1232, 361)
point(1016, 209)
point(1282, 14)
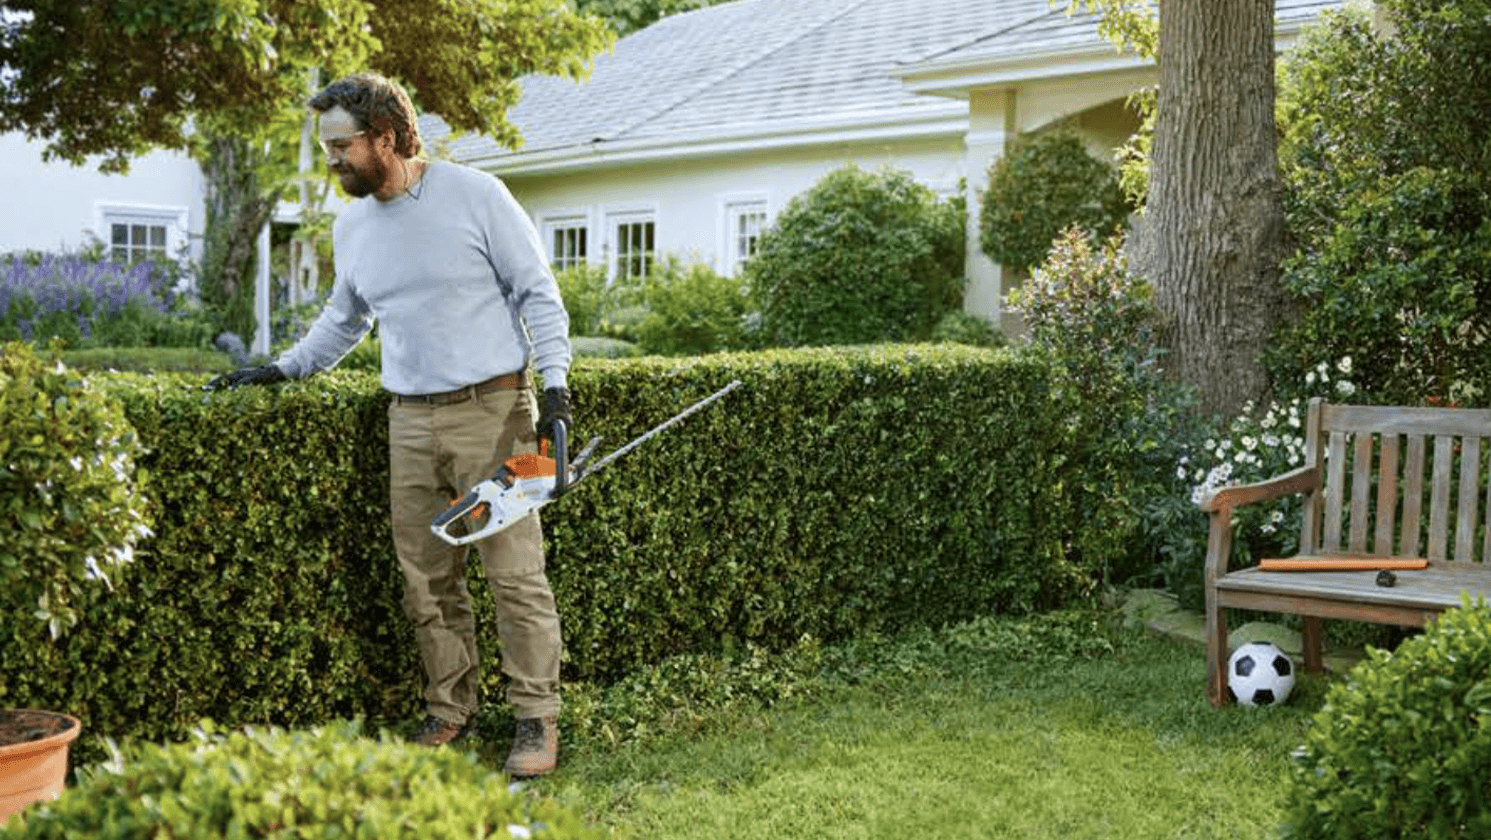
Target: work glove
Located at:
point(554, 406)
point(265, 375)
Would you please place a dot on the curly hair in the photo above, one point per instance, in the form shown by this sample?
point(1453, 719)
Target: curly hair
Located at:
point(378, 104)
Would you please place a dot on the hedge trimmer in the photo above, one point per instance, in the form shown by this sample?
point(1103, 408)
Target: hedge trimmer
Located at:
point(525, 483)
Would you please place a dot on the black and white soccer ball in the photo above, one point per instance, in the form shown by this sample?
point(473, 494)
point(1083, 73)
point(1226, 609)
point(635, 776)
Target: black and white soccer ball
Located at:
point(1259, 674)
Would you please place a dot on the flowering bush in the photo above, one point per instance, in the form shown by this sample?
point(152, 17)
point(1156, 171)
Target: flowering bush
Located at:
point(71, 511)
point(91, 302)
point(1253, 447)
point(1096, 320)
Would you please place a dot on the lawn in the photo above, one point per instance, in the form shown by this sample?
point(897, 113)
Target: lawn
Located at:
point(1064, 726)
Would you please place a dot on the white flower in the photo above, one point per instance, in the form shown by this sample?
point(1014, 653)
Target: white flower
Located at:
point(1345, 387)
point(1266, 528)
point(1344, 365)
point(1249, 442)
point(1310, 378)
point(1180, 472)
point(1270, 440)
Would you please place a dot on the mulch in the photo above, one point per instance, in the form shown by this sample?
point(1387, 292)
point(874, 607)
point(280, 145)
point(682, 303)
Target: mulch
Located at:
point(20, 726)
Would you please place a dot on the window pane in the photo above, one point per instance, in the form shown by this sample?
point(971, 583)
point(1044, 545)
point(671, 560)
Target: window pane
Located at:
point(119, 234)
point(158, 237)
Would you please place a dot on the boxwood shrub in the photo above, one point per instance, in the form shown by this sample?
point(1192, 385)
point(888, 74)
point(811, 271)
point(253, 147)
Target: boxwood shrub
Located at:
point(325, 782)
point(837, 491)
point(1401, 748)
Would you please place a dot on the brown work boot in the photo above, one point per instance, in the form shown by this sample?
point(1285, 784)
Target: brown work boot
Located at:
point(437, 731)
point(535, 748)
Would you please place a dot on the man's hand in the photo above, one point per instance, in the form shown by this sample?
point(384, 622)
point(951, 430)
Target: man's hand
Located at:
point(555, 406)
point(266, 375)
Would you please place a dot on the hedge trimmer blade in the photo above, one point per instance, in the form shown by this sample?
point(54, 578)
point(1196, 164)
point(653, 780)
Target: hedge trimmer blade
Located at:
point(525, 483)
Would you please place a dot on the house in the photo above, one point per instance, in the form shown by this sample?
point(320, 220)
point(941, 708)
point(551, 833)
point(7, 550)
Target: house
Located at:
point(158, 209)
point(694, 133)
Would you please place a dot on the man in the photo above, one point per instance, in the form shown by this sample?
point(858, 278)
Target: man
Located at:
point(451, 268)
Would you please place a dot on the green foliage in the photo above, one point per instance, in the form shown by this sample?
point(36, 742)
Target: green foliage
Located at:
point(72, 510)
point(148, 359)
point(603, 348)
point(962, 327)
point(691, 310)
point(588, 298)
point(155, 69)
point(1096, 321)
point(860, 257)
point(325, 782)
point(1041, 187)
point(1400, 748)
point(627, 16)
point(1386, 153)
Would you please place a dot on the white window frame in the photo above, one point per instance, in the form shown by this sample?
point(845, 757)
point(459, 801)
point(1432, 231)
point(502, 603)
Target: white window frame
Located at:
point(553, 223)
point(615, 251)
point(733, 209)
point(172, 219)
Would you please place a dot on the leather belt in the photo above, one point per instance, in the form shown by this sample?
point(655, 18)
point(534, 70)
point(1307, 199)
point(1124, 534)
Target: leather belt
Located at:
point(505, 382)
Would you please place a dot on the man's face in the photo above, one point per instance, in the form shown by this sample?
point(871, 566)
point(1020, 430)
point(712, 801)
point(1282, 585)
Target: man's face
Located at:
point(349, 153)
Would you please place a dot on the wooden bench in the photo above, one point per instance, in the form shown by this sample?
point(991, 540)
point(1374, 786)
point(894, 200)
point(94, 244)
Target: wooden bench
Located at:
point(1378, 482)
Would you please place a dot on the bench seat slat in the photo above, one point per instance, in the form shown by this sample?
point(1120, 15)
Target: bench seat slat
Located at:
point(1438, 587)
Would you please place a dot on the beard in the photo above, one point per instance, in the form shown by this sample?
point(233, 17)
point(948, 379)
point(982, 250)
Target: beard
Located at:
point(360, 182)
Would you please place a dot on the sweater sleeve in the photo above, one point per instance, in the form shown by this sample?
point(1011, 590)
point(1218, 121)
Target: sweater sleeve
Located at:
point(343, 322)
point(518, 258)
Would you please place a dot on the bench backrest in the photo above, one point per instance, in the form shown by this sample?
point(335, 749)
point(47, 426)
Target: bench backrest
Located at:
point(1398, 481)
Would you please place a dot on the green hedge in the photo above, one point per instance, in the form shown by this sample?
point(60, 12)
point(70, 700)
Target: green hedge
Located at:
point(331, 782)
point(837, 491)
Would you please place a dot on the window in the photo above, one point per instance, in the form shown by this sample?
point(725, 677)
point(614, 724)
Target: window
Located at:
point(133, 241)
point(744, 222)
point(632, 245)
point(139, 232)
point(568, 241)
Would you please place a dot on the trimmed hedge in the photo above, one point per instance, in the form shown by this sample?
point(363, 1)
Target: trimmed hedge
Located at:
point(837, 491)
point(331, 782)
point(1401, 749)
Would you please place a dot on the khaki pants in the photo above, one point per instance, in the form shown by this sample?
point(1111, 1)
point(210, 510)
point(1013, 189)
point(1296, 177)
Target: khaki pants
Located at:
point(437, 453)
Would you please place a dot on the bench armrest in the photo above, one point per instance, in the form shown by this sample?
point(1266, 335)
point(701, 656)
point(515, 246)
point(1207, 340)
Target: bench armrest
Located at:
point(1301, 480)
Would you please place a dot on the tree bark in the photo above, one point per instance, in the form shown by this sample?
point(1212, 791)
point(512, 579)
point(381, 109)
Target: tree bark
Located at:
point(237, 210)
point(1213, 232)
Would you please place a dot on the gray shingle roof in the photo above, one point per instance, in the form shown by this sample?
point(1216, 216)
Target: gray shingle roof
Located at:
point(754, 62)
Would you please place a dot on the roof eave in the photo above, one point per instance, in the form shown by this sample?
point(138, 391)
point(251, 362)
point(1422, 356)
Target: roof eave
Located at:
point(955, 75)
point(918, 123)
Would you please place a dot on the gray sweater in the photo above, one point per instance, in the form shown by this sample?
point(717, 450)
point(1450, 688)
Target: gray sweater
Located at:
point(452, 277)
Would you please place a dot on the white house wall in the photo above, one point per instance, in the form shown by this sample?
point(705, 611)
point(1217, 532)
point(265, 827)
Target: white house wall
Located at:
point(55, 206)
point(687, 199)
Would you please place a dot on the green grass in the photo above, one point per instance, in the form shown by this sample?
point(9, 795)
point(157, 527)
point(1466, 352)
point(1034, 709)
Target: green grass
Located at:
point(1061, 727)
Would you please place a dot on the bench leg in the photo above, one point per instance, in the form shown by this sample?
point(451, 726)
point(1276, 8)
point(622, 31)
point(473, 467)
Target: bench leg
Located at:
point(1311, 640)
point(1216, 655)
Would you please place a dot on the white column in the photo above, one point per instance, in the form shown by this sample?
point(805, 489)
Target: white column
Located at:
point(262, 293)
point(990, 127)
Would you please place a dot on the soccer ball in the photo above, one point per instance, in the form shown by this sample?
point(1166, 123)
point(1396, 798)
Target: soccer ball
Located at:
point(1259, 674)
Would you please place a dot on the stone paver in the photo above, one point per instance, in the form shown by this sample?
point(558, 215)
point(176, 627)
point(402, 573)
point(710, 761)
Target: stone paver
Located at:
point(1158, 611)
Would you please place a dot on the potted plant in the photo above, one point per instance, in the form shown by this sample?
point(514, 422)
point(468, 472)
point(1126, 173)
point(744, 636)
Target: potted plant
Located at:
point(70, 516)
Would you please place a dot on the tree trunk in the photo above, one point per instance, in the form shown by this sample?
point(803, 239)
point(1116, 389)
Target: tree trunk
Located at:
point(1213, 232)
point(237, 210)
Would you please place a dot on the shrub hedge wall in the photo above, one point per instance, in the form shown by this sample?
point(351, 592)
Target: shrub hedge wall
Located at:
point(836, 491)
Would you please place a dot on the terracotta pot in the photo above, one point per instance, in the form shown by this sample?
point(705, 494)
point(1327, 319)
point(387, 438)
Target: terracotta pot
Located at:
point(33, 757)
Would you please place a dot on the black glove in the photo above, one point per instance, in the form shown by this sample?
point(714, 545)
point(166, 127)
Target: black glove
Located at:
point(555, 407)
point(266, 375)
